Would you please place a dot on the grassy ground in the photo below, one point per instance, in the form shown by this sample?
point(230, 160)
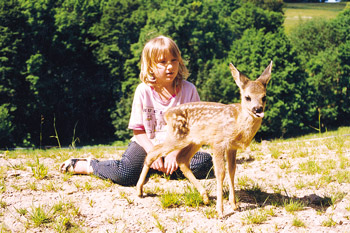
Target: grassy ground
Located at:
point(295, 185)
point(297, 12)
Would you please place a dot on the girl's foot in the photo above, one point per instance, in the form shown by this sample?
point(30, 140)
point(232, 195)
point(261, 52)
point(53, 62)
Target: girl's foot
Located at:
point(77, 166)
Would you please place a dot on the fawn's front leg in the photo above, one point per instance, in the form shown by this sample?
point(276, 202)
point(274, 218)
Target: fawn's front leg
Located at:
point(154, 154)
point(219, 168)
point(231, 164)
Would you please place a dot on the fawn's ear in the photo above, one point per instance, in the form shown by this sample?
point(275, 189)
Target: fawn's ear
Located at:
point(266, 75)
point(239, 78)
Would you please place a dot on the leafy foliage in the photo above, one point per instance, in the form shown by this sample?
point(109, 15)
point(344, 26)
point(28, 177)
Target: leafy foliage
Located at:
point(286, 112)
point(13, 87)
point(69, 68)
point(325, 55)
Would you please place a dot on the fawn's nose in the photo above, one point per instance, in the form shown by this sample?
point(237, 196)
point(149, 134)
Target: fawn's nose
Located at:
point(258, 109)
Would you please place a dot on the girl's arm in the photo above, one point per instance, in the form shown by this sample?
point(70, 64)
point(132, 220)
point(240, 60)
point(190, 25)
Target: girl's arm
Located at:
point(147, 145)
point(144, 141)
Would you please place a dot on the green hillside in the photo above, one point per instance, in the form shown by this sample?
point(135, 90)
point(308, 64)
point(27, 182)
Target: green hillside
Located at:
point(296, 12)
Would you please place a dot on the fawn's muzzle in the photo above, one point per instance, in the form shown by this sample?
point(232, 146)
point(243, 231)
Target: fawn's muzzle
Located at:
point(258, 111)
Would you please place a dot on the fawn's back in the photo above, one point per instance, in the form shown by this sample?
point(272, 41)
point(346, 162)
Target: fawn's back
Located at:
point(210, 123)
point(232, 126)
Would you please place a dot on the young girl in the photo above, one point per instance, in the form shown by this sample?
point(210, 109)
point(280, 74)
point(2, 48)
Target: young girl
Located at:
point(163, 86)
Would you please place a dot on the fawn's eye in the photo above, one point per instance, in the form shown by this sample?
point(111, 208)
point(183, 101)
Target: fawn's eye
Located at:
point(263, 99)
point(247, 98)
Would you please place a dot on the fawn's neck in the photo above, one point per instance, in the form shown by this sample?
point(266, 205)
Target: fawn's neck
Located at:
point(245, 129)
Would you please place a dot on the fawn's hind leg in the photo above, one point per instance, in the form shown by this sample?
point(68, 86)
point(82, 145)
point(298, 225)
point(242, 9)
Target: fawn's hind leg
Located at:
point(153, 155)
point(183, 159)
point(231, 164)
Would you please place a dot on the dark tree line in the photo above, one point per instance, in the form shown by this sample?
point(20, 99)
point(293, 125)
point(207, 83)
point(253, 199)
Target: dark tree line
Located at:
point(68, 68)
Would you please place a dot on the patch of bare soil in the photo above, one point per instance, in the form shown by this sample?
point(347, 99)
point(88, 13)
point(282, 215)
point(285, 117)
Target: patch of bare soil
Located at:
point(265, 182)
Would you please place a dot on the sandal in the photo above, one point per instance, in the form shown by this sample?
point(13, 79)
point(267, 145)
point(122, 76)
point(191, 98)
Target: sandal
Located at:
point(69, 165)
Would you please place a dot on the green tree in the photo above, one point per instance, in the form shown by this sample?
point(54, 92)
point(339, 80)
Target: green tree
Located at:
point(286, 111)
point(88, 85)
point(313, 36)
point(13, 88)
point(6, 126)
point(251, 16)
point(344, 82)
point(272, 5)
point(341, 23)
point(118, 29)
point(324, 71)
point(70, 88)
point(323, 48)
point(215, 72)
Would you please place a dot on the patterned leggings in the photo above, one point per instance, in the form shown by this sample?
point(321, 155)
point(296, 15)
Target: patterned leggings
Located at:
point(127, 171)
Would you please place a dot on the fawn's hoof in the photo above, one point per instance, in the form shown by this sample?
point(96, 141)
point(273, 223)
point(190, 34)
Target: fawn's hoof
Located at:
point(220, 211)
point(205, 199)
point(139, 191)
point(220, 215)
point(235, 206)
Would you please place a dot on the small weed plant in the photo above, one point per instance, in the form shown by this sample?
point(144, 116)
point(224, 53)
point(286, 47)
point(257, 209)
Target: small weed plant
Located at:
point(125, 196)
point(343, 176)
point(2, 186)
point(275, 152)
point(40, 215)
point(3, 204)
point(245, 181)
point(50, 187)
point(300, 184)
point(158, 223)
point(285, 165)
point(210, 212)
point(177, 218)
point(21, 211)
point(32, 186)
point(190, 198)
point(310, 167)
point(329, 222)
point(67, 217)
point(293, 205)
point(39, 170)
point(258, 216)
point(297, 222)
point(170, 200)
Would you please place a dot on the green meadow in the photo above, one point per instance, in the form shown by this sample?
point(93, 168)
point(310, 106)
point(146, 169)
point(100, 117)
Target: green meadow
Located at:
point(295, 13)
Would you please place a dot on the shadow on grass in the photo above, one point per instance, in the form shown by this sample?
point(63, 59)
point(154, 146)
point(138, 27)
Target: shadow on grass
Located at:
point(258, 198)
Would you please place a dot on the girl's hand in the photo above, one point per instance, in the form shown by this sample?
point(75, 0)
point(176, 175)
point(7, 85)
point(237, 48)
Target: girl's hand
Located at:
point(170, 163)
point(158, 165)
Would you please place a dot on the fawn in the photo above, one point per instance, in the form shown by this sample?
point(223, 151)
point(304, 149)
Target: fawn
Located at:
point(225, 128)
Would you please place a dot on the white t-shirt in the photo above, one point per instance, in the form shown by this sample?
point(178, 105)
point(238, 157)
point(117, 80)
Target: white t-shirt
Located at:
point(148, 109)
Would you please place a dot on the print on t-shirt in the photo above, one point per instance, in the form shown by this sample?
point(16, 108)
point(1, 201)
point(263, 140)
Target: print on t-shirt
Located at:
point(154, 121)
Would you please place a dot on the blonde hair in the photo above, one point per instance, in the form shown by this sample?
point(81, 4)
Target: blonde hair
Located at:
point(151, 54)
